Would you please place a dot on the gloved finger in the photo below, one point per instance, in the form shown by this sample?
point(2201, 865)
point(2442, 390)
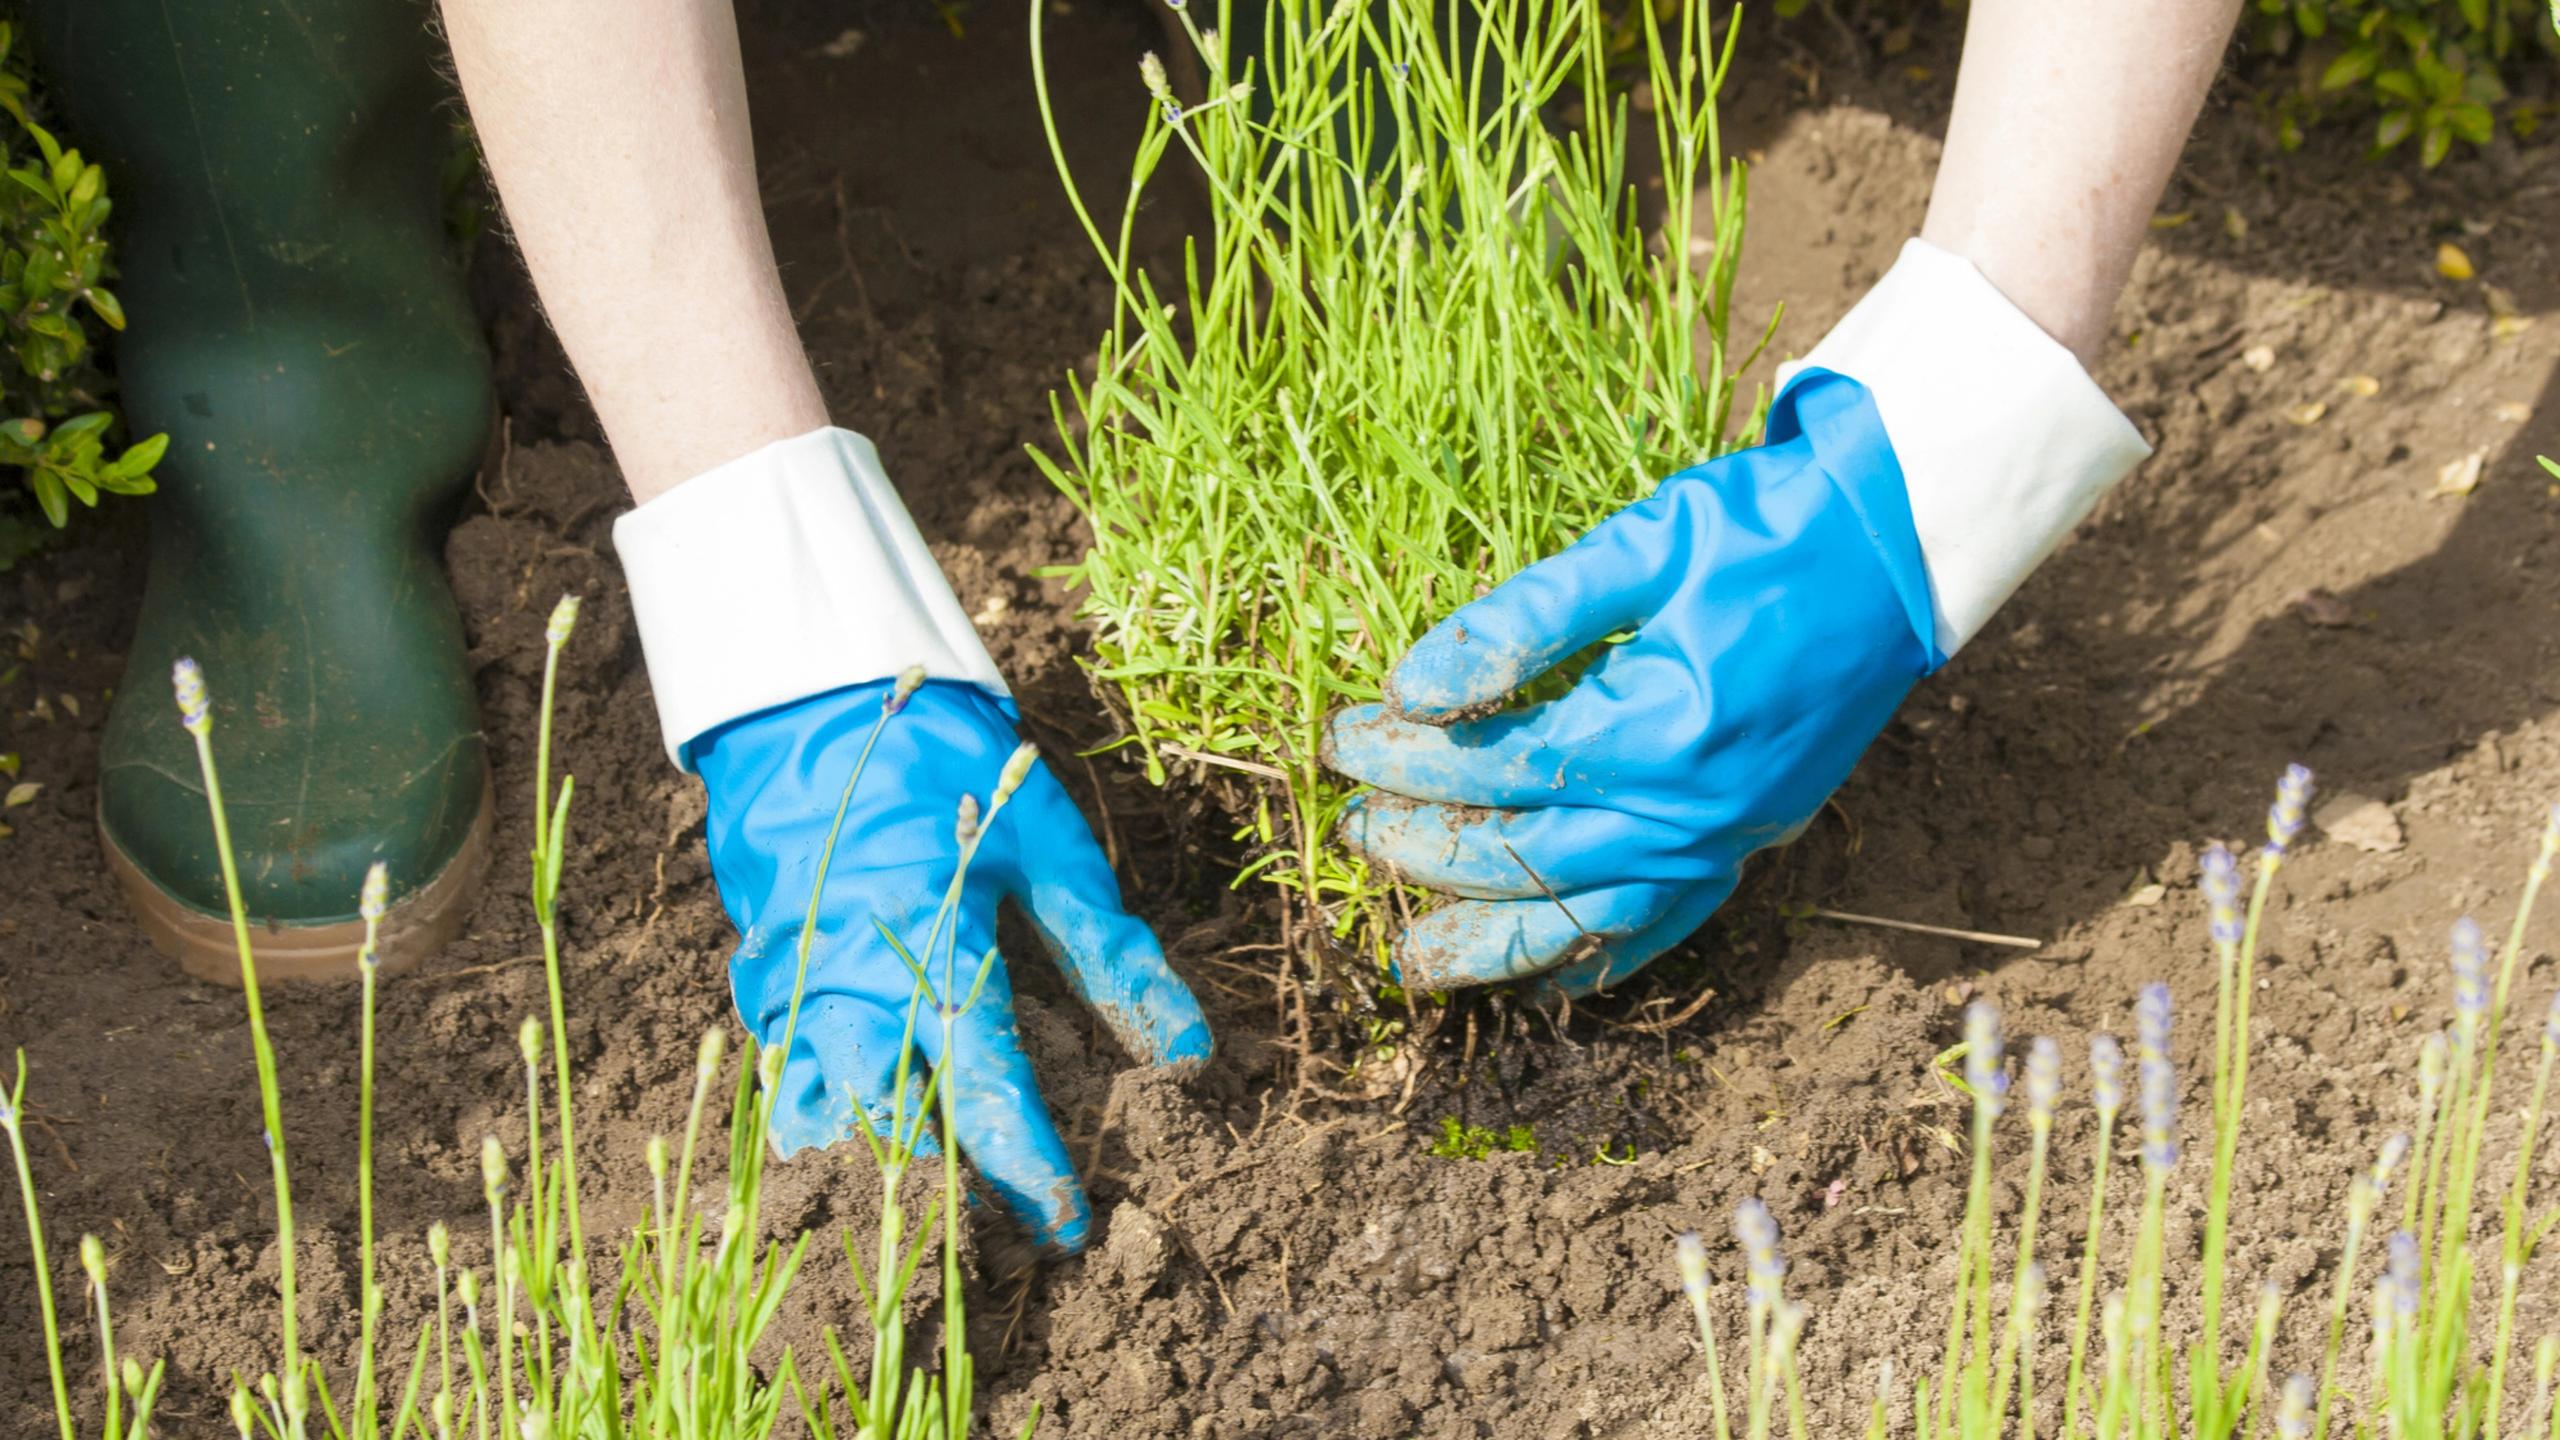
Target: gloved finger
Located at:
point(1500, 762)
point(1108, 955)
point(842, 1074)
point(1502, 854)
point(1004, 1125)
point(1615, 960)
point(1490, 647)
point(1483, 942)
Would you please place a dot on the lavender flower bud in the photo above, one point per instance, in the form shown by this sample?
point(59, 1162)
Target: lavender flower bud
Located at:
point(2033, 1292)
point(966, 831)
point(2394, 1150)
point(194, 711)
point(529, 1039)
point(466, 1288)
point(2293, 1409)
point(1151, 72)
point(375, 897)
point(911, 679)
point(564, 618)
point(2551, 1024)
point(244, 1414)
point(2044, 1081)
point(493, 1168)
point(1767, 1268)
point(93, 1259)
point(2106, 1069)
point(2470, 974)
point(2400, 1276)
point(2222, 894)
point(1983, 1074)
point(439, 1244)
point(2159, 1100)
point(2151, 1022)
point(2433, 1058)
point(1017, 768)
point(2284, 818)
point(656, 1155)
point(1692, 1252)
point(706, 1060)
point(2363, 1198)
point(1172, 111)
point(1785, 1329)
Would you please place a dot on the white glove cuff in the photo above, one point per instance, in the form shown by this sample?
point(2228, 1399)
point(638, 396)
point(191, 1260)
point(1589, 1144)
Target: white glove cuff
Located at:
point(785, 574)
point(2005, 442)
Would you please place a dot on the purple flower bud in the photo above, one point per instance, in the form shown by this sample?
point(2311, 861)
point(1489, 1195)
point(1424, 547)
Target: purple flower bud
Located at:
point(2293, 1409)
point(2551, 1023)
point(2151, 1022)
point(2222, 894)
point(2284, 818)
point(1172, 111)
point(2400, 1275)
point(2106, 1067)
point(187, 677)
point(2470, 971)
point(1982, 1072)
point(2159, 1100)
point(1758, 1232)
point(2044, 1079)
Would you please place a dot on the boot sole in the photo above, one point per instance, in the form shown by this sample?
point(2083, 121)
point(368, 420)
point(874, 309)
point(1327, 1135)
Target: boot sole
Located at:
point(421, 923)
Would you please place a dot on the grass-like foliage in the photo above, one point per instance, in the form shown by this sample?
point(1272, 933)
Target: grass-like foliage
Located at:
point(551, 1338)
point(2441, 1315)
point(1430, 335)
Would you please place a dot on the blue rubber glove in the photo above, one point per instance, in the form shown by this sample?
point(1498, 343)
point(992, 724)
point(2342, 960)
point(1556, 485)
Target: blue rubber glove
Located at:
point(1779, 611)
point(774, 781)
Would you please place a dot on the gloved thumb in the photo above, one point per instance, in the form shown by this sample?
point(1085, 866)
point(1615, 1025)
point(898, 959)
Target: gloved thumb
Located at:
point(1108, 955)
point(1605, 582)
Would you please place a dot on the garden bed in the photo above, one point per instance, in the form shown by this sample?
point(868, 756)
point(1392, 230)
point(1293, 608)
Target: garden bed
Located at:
point(2275, 585)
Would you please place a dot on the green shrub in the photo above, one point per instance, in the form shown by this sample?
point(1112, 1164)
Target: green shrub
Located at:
point(54, 265)
point(1427, 339)
point(2436, 71)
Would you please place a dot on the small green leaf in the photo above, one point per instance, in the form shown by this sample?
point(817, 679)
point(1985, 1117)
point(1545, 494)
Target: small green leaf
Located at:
point(2400, 85)
point(2351, 66)
point(107, 306)
point(2394, 128)
point(50, 498)
point(2435, 144)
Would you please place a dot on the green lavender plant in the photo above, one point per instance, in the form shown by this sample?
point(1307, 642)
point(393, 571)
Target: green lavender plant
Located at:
point(1427, 338)
point(667, 1342)
point(54, 265)
point(2425, 1377)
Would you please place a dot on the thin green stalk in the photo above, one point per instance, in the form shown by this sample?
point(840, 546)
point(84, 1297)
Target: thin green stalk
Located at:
point(370, 904)
point(12, 1120)
point(2089, 1256)
point(195, 713)
point(548, 847)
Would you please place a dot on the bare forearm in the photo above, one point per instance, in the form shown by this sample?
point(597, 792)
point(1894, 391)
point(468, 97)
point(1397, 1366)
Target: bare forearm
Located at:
point(2069, 116)
point(616, 131)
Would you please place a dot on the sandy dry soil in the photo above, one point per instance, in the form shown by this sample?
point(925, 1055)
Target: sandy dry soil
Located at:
point(2273, 586)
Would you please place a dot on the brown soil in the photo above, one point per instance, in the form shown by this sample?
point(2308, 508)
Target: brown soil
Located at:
point(2263, 591)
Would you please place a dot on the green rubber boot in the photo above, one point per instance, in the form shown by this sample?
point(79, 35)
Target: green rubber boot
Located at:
point(298, 325)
